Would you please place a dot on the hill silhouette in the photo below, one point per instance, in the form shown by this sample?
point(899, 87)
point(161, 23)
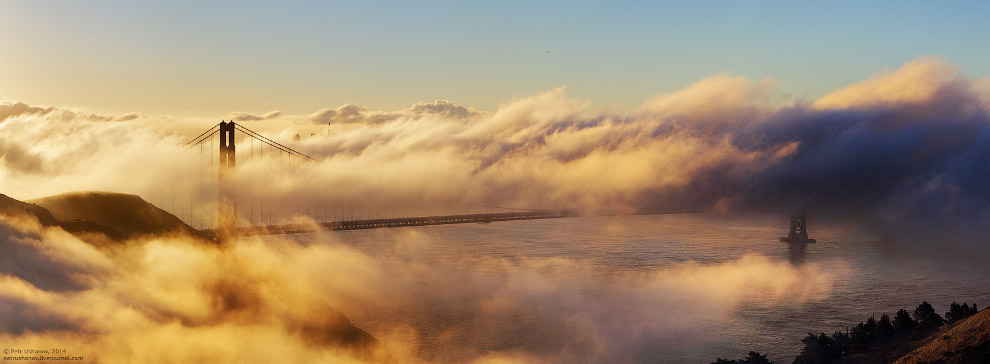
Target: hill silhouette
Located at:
point(10, 206)
point(116, 215)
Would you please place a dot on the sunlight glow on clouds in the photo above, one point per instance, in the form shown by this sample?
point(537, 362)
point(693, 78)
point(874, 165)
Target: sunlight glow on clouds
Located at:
point(907, 147)
point(917, 81)
point(722, 143)
point(270, 300)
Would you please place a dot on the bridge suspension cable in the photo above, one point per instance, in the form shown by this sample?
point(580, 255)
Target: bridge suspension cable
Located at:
point(225, 198)
point(218, 209)
point(276, 145)
point(200, 138)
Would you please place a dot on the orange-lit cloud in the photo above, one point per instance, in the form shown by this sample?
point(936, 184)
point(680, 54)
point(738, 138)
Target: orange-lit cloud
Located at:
point(723, 143)
point(263, 300)
point(243, 116)
point(907, 147)
point(143, 301)
point(11, 109)
point(920, 80)
point(354, 114)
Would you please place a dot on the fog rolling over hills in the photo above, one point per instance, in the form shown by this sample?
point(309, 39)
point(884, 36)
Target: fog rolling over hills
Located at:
point(10, 206)
point(492, 182)
point(126, 215)
point(120, 271)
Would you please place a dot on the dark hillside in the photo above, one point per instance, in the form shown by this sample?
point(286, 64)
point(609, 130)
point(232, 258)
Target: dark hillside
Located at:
point(11, 206)
point(125, 215)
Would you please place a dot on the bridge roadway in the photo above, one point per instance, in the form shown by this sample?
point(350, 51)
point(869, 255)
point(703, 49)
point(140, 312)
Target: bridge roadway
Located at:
point(397, 222)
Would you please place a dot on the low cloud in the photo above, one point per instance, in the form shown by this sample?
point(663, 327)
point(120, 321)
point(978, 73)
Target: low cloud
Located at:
point(243, 116)
point(569, 312)
point(354, 114)
point(719, 101)
point(140, 301)
point(10, 109)
point(128, 117)
point(922, 80)
point(902, 148)
point(264, 300)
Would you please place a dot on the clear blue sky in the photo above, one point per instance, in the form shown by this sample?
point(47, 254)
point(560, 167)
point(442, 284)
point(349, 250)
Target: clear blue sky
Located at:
point(213, 57)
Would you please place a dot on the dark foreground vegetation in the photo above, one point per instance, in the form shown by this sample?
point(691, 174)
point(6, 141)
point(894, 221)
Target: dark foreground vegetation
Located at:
point(869, 337)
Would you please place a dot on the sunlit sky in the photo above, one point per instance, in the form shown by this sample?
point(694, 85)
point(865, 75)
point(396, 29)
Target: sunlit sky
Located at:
point(215, 57)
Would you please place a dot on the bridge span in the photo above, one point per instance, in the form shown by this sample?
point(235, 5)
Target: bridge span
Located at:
point(396, 222)
point(229, 214)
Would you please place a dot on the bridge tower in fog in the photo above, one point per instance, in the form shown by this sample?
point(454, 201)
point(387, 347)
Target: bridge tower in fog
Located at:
point(227, 193)
point(799, 230)
point(226, 208)
point(227, 228)
point(799, 227)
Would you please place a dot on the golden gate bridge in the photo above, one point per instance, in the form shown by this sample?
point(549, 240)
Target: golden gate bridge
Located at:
point(235, 214)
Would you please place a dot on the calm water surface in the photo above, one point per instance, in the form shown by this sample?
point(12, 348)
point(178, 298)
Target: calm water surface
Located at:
point(453, 270)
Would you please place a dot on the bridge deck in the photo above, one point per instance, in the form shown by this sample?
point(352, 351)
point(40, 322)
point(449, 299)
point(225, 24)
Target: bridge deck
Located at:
point(397, 222)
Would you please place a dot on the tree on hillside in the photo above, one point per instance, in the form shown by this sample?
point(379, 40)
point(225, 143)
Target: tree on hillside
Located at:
point(840, 343)
point(903, 322)
point(885, 329)
point(926, 316)
point(861, 336)
point(958, 312)
point(818, 349)
point(753, 358)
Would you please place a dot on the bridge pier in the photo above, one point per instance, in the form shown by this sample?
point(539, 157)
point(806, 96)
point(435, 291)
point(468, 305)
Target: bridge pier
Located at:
point(799, 230)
